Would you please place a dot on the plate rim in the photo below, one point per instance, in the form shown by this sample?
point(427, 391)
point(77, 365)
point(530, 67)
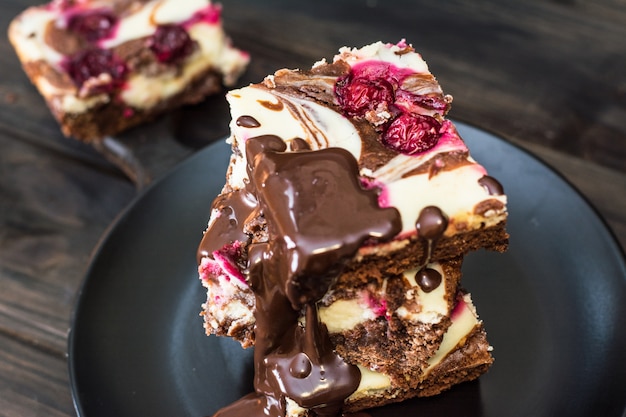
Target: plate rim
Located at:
point(108, 232)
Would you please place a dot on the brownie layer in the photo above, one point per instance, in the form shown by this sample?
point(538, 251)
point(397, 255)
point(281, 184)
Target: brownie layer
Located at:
point(469, 360)
point(383, 322)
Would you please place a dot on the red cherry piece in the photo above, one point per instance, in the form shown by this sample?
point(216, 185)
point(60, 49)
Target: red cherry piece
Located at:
point(94, 62)
point(170, 43)
point(92, 24)
point(412, 133)
point(358, 95)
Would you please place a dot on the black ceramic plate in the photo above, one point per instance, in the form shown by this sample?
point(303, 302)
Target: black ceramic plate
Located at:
point(554, 306)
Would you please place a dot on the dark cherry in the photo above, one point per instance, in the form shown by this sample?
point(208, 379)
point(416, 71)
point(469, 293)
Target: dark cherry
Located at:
point(357, 95)
point(92, 24)
point(94, 62)
point(412, 133)
point(170, 43)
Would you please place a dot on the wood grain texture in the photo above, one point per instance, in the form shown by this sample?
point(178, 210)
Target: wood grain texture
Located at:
point(548, 76)
point(54, 208)
point(33, 382)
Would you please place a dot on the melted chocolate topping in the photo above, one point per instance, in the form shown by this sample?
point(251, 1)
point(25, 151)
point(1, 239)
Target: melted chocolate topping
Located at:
point(298, 144)
point(317, 216)
point(428, 279)
point(492, 185)
point(247, 121)
point(234, 209)
point(317, 212)
point(431, 225)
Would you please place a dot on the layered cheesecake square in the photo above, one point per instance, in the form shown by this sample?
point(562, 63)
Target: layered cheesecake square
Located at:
point(105, 66)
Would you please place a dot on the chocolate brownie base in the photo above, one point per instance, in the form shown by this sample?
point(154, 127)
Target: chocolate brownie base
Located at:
point(471, 358)
point(373, 342)
point(410, 252)
point(399, 356)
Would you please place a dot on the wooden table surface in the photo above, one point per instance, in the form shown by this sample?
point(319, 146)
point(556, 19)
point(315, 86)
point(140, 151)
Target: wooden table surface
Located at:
point(549, 76)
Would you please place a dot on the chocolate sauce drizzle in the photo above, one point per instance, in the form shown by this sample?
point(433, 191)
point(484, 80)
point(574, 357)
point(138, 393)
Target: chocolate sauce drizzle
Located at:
point(234, 209)
point(428, 279)
point(317, 216)
point(431, 225)
point(492, 185)
point(247, 121)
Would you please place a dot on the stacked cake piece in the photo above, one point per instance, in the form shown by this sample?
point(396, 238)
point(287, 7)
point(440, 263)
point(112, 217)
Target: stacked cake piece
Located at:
point(336, 245)
point(106, 65)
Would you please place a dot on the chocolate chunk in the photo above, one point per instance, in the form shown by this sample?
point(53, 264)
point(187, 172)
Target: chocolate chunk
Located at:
point(492, 185)
point(428, 279)
point(247, 121)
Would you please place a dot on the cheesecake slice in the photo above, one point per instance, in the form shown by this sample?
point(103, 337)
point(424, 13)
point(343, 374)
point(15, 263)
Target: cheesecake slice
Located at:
point(105, 66)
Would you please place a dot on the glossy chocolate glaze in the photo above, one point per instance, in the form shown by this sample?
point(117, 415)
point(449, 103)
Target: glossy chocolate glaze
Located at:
point(492, 185)
point(317, 213)
point(431, 225)
point(317, 216)
point(428, 279)
point(234, 209)
point(247, 121)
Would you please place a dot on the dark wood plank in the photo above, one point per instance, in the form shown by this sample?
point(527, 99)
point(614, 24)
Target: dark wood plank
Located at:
point(54, 210)
point(33, 382)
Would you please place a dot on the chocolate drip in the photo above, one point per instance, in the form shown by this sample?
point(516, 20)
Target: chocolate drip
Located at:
point(234, 209)
point(317, 215)
point(428, 279)
point(247, 121)
point(492, 185)
point(431, 224)
point(306, 369)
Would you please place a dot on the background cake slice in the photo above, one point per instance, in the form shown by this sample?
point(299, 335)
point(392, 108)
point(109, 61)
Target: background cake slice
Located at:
point(104, 66)
point(395, 309)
